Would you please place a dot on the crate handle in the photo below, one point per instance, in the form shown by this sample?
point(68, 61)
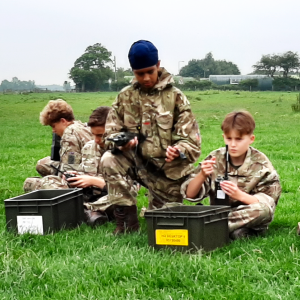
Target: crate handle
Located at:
point(21, 210)
point(171, 222)
point(215, 220)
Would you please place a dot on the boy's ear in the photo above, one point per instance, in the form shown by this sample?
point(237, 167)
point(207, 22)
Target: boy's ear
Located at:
point(158, 64)
point(252, 138)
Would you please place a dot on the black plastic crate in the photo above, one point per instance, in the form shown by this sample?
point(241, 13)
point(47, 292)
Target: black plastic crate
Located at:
point(44, 211)
point(188, 228)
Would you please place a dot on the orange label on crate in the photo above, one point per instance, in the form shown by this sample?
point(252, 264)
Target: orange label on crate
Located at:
point(175, 237)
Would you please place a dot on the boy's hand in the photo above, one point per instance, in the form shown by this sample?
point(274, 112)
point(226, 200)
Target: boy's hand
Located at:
point(131, 144)
point(81, 181)
point(231, 189)
point(172, 153)
point(207, 167)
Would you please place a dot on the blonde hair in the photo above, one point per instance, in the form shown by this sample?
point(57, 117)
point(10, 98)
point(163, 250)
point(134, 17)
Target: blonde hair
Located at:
point(241, 121)
point(55, 110)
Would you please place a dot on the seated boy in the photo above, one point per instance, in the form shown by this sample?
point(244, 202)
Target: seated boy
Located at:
point(253, 186)
point(88, 176)
point(74, 135)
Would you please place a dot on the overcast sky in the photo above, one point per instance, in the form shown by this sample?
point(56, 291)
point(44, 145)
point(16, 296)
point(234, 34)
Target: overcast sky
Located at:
point(41, 39)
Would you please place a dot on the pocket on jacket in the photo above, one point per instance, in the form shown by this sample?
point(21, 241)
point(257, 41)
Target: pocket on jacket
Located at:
point(164, 123)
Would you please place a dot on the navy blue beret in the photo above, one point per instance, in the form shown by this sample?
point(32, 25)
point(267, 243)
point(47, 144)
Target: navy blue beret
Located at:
point(142, 54)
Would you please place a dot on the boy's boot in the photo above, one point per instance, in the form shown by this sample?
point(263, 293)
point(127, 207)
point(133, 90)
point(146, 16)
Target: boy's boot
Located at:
point(119, 214)
point(131, 220)
point(245, 232)
point(95, 218)
point(110, 213)
point(126, 219)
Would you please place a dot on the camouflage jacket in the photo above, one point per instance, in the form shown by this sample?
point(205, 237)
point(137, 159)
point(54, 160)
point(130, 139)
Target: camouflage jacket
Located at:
point(166, 119)
point(74, 138)
point(91, 156)
point(256, 176)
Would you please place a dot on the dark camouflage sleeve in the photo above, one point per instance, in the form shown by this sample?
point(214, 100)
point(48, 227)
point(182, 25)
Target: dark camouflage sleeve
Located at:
point(186, 133)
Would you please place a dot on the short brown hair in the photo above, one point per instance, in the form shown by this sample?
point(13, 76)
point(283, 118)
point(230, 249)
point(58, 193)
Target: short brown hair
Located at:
point(99, 116)
point(242, 121)
point(55, 110)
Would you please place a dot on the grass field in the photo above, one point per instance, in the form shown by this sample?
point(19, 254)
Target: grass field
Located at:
point(87, 263)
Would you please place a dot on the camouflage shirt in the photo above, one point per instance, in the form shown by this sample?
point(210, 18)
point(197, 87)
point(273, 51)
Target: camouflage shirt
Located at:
point(74, 138)
point(91, 156)
point(165, 117)
point(256, 176)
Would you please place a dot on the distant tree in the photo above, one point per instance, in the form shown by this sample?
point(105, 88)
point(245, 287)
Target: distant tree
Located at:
point(208, 66)
point(271, 64)
point(17, 85)
point(121, 72)
point(289, 61)
point(193, 69)
point(267, 65)
point(92, 69)
point(248, 83)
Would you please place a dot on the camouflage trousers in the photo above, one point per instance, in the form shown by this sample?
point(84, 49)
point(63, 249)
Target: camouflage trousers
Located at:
point(121, 170)
point(45, 183)
point(256, 216)
point(44, 168)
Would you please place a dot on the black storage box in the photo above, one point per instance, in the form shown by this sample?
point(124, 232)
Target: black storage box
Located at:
point(188, 228)
point(44, 211)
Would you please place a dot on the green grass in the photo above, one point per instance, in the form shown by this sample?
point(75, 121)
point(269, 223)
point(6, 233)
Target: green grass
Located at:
point(87, 263)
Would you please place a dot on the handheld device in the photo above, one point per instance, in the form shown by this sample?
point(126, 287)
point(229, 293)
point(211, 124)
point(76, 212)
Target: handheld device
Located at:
point(55, 147)
point(67, 175)
point(220, 197)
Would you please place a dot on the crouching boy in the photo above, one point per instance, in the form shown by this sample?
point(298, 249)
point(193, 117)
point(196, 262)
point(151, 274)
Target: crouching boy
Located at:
point(253, 184)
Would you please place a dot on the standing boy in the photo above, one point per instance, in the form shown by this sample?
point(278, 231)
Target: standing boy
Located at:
point(253, 186)
point(161, 115)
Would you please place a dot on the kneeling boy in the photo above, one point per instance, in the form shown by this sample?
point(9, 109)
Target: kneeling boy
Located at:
point(253, 186)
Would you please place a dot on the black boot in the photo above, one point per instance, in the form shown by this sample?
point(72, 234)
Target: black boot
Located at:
point(131, 220)
point(119, 214)
point(95, 218)
point(126, 219)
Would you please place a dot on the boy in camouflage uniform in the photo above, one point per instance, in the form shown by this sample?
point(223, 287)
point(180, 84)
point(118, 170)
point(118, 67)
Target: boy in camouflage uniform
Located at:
point(253, 186)
point(151, 107)
point(74, 135)
point(88, 175)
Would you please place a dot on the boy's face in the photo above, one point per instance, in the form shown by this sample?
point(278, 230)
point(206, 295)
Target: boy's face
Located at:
point(60, 126)
point(98, 132)
point(238, 144)
point(147, 77)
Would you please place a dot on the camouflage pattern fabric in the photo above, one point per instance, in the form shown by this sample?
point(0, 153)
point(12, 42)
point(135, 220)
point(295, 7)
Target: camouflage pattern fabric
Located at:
point(121, 170)
point(73, 140)
point(31, 184)
point(44, 183)
point(91, 156)
point(256, 177)
point(44, 168)
point(165, 117)
point(100, 205)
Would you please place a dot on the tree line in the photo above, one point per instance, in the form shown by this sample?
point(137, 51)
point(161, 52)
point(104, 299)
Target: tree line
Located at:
point(95, 70)
point(202, 68)
point(17, 85)
point(272, 64)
